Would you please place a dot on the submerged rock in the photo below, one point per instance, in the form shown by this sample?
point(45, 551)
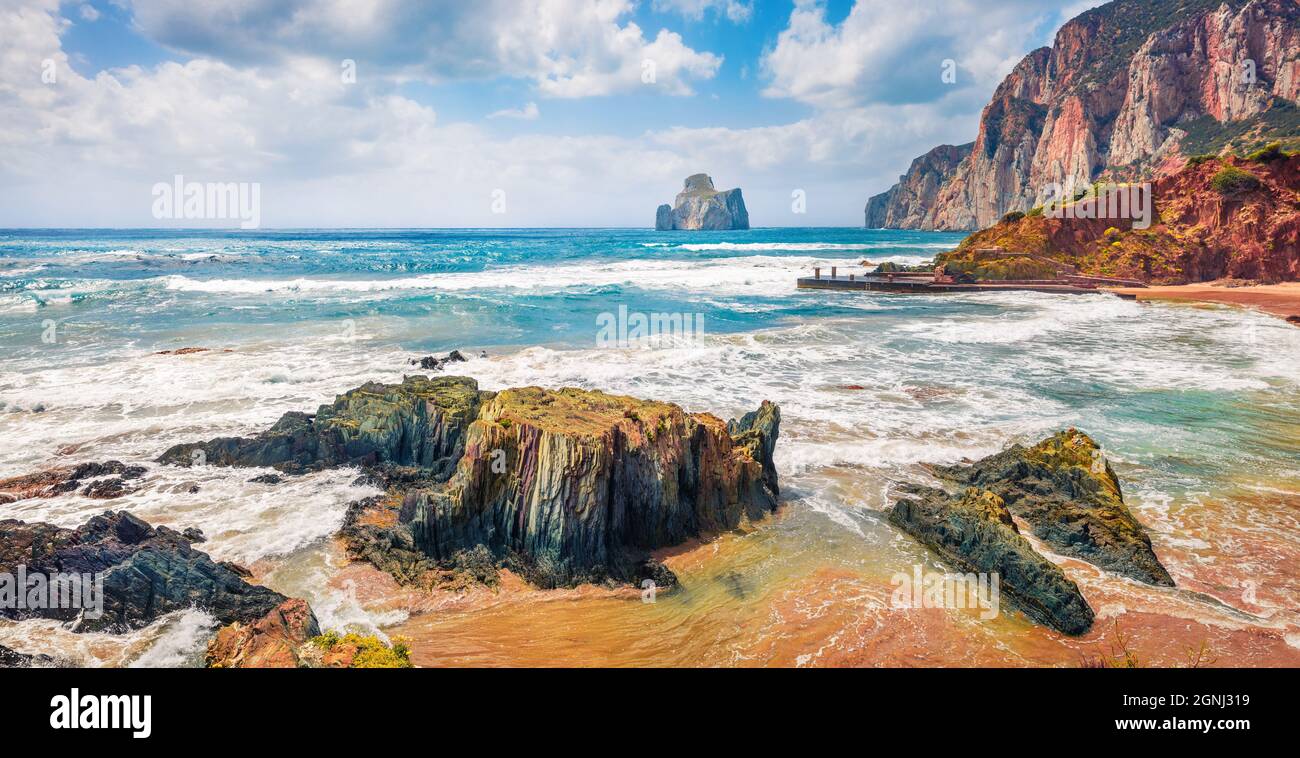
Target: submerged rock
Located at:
point(12, 659)
point(1068, 494)
point(58, 481)
point(974, 532)
point(565, 486)
point(700, 206)
point(147, 572)
point(434, 363)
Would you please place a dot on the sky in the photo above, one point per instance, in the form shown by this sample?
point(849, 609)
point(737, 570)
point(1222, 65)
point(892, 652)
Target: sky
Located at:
point(490, 113)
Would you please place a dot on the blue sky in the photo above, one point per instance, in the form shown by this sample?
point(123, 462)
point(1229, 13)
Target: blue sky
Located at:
point(543, 101)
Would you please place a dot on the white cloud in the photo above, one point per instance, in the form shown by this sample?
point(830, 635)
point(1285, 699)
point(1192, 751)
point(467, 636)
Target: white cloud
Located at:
point(87, 150)
point(569, 48)
point(529, 112)
point(88, 12)
point(882, 52)
point(736, 11)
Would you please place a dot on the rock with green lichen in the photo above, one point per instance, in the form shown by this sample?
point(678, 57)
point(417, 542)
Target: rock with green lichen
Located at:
point(565, 486)
point(974, 531)
point(1067, 492)
point(419, 423)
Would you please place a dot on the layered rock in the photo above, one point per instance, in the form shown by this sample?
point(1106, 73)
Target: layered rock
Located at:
point(1067, 492)
point(974, 532)
point(701, 207)
point(564, 485)
point(146, 572)
point(1121, 89)
point(419, 424)
point(1202, 230)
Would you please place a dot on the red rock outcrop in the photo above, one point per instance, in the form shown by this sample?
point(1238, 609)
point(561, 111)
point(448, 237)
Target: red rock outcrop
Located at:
point(270, 642)
point(1117, 93)
point(1200, 232)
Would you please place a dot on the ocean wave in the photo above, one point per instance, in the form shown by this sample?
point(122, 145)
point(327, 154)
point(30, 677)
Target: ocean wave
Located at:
point(813, 246)
point(763, 275)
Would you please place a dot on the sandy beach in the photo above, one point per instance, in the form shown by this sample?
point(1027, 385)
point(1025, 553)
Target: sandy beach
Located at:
point(1278, 299)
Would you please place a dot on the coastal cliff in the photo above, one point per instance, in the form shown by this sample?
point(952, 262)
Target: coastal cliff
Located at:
point(1126, 91)
point(1215, 218)
point(565, 486)
point(701, 207)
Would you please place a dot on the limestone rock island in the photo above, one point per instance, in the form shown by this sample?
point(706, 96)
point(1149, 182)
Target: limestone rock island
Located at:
point(700, 207)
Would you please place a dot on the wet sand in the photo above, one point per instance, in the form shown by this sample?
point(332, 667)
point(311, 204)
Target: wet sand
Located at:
point(1281, 300)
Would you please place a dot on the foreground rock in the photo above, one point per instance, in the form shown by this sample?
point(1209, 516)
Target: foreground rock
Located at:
point(147, 572)
point(1069, 495)
point(288, 637)
point(272, 641)
point(974, 532)
point(700, 207)
point(565, 486)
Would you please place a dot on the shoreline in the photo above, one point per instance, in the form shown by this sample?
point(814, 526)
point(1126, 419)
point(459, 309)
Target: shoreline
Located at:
point(1281, 300)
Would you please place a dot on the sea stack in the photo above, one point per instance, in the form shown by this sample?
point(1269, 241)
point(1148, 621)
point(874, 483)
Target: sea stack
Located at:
point(701, 207)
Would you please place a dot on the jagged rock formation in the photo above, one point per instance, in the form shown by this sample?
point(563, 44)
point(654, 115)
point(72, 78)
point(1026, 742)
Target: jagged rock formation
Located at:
point(419, 424)
point(1066, 491)
point(564, 485)
point(147, 572)
point(974, 532)
point(1126, 90)
point(1204, 228)
point(906, 204)
point(273, 641)
point(700, 206)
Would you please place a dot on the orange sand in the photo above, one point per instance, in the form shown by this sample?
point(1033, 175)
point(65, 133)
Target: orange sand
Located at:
point(1278, 299)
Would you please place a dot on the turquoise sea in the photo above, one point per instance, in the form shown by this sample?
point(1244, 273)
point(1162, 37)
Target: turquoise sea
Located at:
point(1198, 408)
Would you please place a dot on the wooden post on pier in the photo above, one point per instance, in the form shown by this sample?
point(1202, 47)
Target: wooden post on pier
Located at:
point(817, 272)
point(832, 272)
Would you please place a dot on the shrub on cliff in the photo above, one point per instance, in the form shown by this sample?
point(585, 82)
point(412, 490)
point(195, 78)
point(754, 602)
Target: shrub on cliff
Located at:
point(1013, 217)
point(1270, 152)
point(1230, 180)
point(1197, 160)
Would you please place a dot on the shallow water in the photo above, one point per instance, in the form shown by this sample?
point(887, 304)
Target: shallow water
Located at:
point(1198, 408)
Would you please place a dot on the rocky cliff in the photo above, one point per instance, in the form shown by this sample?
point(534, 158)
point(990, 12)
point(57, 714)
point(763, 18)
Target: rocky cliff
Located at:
point(1215, 218)
point(1127, 90)
point(700, 206)
point(564, 485)
point(907, 203)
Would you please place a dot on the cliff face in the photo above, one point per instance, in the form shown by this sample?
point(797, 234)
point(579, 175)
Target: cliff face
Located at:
point(565, 485)
point(700, 207)
point(1121, 90)
point(1215, 218)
